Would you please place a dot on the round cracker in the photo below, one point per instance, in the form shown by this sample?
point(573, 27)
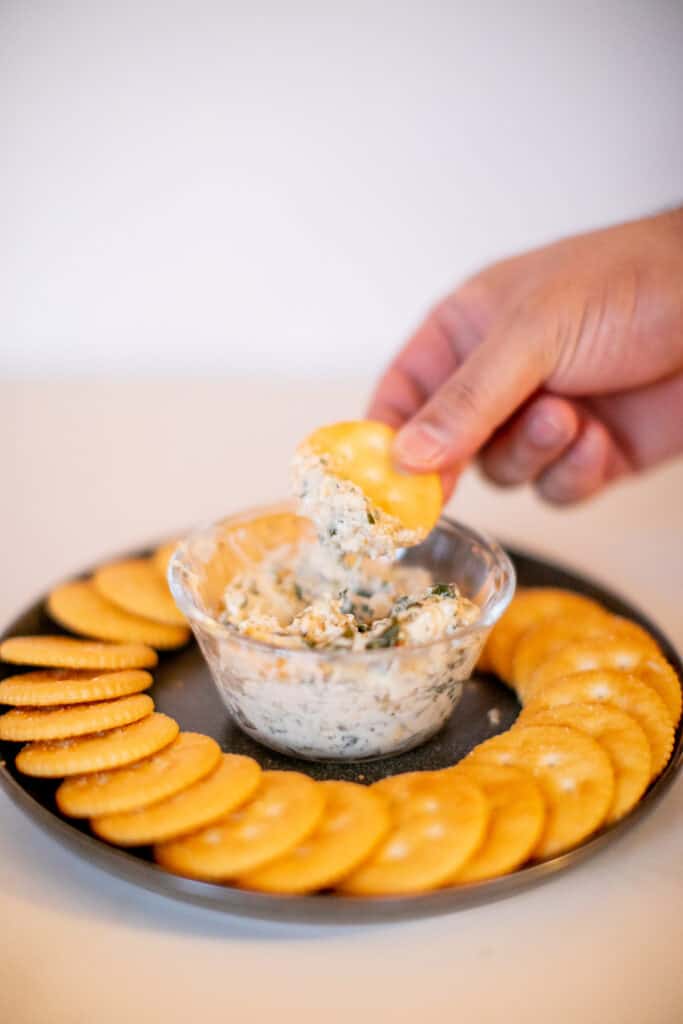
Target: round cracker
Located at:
point(618, 734)
point(161, 557)
point(189, 758)
point(544, 639)
point(231, 783)
point(484, 663)
point(54, 759)
point(438, 822)
point(57, 686)
point(656, 672)
point(515, 824)
point(58, 723)
point(529, 606)
point(627, 653)
point(354, 821)
point(361, 452)
point(78, 606)
point(627, 627)
point(624, 691)
point(282, 812)
point(236, 544)
point(67, 652)
point(136, 586)
point(573, 771)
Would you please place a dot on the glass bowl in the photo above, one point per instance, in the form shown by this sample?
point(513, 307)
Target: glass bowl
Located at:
point(339, 705)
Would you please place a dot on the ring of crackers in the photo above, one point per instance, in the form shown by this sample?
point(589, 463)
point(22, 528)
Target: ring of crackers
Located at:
point(600, 707)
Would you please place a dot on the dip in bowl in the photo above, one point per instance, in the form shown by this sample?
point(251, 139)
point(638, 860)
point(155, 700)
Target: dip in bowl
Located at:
point(330, 703)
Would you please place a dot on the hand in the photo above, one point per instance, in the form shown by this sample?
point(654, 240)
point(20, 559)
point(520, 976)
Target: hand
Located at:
point(562, 367)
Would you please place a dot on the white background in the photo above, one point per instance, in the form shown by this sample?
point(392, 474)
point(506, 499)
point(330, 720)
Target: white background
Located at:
point(251, 186)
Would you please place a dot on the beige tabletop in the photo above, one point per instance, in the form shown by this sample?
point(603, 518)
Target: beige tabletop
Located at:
point(90, 468)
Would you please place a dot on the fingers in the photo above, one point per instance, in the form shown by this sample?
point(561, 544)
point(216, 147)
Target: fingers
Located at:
point(619, 434)
point(397, 398)
point(560, 447)
point(449, 479)
point(496, 378)
point(532, 441)
point(647, 423)
point(589, 463)
point(424, 362)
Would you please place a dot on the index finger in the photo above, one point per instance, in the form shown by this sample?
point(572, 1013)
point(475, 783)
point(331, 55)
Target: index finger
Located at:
point(436, 349)
point(420, 367)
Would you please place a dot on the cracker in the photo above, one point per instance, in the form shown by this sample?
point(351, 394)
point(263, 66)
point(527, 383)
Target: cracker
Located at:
point(618, 734)
point(136, 586)
point(236, 544)
point(58, 723)
point(573, 771)
point(515, 824)
point(189, 758)
point(54, 759)
point(354, 821)
point(656, 672)
point(626, 653)
point(285, 809)
point(624, 691)
point(232, 782)
point(79, 607)
point(161, 557)
point(51, 686)
point(255, 538)
point(67, 652)
point(484, 663)
point(438, 822)
point(528, 607)
point(546, 638)
point(361, 452)
point(627, 627)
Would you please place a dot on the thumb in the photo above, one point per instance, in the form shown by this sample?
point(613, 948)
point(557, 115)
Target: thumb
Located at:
point(496, 378)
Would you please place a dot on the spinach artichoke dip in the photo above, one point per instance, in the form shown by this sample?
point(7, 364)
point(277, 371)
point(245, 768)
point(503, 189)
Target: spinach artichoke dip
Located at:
point(346, 589)
point(357, 656)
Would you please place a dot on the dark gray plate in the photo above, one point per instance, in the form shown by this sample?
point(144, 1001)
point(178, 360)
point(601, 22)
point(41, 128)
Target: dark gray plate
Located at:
point(183, 689)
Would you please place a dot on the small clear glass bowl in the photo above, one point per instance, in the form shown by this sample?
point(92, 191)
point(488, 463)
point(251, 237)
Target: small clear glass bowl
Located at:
point(338, 705)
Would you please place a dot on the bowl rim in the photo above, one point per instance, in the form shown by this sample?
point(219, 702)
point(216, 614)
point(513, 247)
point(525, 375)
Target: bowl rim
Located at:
point(178, 572)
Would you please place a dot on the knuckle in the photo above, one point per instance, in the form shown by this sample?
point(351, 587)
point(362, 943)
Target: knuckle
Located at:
point(459, 399)
point(555, 492)
point(499, 473)
point(547, 319)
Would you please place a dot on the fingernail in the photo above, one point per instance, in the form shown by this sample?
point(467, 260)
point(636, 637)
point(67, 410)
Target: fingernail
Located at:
point(544, 430)
point(422, 443)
